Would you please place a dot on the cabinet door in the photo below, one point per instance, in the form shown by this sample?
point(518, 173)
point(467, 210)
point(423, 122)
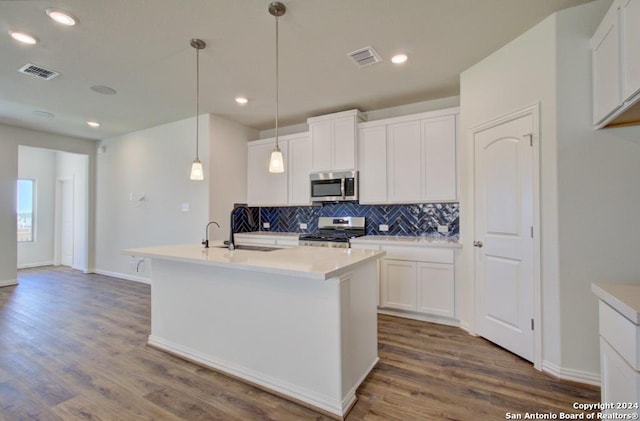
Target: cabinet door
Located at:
point(265, 188)
point(605, 45)
point(398, 283)
point(344, 144)
point(436, 289)
point(299, 160)
point(439, 148)
point(372, 160)
point(404, 162)
point(630, 21)
point(620, 382)
point(321, 145)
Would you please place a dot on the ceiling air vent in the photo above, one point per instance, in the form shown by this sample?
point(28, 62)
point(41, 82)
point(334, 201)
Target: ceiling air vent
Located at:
point(37, 71)
point(364, 57)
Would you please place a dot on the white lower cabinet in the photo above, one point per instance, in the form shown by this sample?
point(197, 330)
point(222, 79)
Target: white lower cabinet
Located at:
point(416, 281)
point(620, 382)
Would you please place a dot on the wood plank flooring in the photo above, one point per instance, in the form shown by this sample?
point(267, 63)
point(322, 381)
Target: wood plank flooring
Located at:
point(73, 347)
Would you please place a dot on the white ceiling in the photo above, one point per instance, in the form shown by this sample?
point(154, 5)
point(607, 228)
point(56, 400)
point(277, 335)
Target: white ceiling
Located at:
point(141, 49)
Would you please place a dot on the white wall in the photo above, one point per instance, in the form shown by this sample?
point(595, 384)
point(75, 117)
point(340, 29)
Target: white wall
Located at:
point(156, 163)
point(589, 179)
point(10, 138)
point(40, 165)
point(227, 172)
point(598, 194)
point(76, 167)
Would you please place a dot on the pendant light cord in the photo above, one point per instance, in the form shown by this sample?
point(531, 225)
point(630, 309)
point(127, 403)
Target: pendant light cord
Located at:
point(277, 83)
point(197, 101)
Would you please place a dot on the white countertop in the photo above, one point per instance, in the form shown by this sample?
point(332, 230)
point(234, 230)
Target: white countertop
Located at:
point(307, 262)
point(624, 298)
point(405, 240)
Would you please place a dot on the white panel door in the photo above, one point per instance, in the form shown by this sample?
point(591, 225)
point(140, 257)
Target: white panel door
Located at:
point(404, 162)
point(66, 222)
point(372, 161)
point(504, 244)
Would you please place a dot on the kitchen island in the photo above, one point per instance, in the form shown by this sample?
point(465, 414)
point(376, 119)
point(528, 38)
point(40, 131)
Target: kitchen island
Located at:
point(300, 322)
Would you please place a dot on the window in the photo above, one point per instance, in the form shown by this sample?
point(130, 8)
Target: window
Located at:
point(26, 192)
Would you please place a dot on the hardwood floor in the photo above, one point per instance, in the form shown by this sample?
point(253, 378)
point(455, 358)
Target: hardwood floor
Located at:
point(73, 347)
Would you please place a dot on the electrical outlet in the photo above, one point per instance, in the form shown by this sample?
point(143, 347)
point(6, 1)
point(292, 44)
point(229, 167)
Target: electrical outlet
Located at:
point(266, 225)
point(185, 207)
point(303, 226)
point(443, 229)
point(383, 227)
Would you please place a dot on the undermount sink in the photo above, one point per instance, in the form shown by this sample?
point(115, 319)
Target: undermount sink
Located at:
point(251, 248)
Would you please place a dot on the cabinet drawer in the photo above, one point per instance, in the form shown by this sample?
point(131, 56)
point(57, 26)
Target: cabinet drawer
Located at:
point(620, 382)
point(622, 334)
point(419, 254)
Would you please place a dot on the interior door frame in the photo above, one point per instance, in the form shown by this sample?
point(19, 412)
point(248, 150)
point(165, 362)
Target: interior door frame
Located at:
point(534, 111)
point(57, 252)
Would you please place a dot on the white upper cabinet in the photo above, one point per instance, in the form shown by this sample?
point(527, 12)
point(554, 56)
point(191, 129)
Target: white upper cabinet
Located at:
point(299, 166)
point(404, 159)
point(265, 188)
point(409, 159)
point(605, 45)
point(333, 140)
point(629, 22)
point(616, 66)
point(283, 189)
point(372, 162)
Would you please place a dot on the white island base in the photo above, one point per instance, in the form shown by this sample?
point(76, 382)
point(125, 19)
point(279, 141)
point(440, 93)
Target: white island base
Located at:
point(308, 339)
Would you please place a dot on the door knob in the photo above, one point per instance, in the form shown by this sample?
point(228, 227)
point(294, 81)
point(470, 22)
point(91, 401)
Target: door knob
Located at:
point(477, 244)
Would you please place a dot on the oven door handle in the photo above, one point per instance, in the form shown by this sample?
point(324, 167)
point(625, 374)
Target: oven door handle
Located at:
point(342, 181)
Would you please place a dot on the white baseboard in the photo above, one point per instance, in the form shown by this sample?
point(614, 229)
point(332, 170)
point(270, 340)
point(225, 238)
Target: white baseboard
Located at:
point(570, 374)
point(419, 316)
point(125, 276)
point(36, 264)
point(8, 283)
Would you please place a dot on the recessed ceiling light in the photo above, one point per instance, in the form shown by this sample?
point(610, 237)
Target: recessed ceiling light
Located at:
point(241, 100)
point(43, 114)
point(62, 17)
point(101, 89)
point(23, 37)
point(399, 58)
point(93, 124)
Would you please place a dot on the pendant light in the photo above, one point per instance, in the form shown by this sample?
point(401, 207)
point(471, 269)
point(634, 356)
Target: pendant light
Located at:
point(197, 173)
point(276, 164)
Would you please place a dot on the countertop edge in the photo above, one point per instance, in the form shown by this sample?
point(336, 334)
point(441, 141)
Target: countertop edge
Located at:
point(409, 241)
point(600, 289)
point(322, 276)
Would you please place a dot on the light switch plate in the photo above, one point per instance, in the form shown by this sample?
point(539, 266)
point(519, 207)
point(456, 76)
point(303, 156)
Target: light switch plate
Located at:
point(266, 225)
point(185, 207)
point(303, 226)
point(443, 229)
point(383, 227)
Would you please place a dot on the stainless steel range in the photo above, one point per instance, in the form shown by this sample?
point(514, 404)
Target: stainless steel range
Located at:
point(334, 231)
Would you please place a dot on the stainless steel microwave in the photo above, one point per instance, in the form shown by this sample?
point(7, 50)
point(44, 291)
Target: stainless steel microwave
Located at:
point(334, 186)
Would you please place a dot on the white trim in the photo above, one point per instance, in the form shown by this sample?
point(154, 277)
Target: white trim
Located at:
point(466, 326)
point(124, 276)
point(419, 316)
point(571, 374)
point(534, 111)
point(35, 264)
point(8, 283)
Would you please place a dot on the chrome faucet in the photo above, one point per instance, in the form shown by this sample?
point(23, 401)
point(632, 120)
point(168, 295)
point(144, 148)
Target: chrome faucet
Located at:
point(205, 242)
point(232, 220)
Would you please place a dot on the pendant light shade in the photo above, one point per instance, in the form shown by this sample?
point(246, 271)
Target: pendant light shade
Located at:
point(276, 164)
point(197, 172)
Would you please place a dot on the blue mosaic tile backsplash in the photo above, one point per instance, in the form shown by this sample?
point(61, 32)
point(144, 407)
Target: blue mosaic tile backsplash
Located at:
point(410, 220)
